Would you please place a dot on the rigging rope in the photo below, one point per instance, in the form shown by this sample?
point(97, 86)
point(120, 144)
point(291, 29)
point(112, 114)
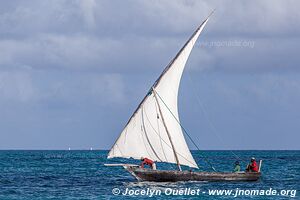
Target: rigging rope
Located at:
point(184, 130)
point(211, 125)
point(165, 141)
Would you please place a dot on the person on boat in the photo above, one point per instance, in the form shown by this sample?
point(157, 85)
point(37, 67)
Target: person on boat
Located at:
point(252, 167)
point(237, 167)
point(147, 161)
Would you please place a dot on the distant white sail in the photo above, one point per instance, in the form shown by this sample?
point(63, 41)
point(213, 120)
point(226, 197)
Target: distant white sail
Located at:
point(145, 134)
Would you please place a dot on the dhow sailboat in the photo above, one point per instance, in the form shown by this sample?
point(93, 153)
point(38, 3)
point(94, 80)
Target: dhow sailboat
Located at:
point(154, 130)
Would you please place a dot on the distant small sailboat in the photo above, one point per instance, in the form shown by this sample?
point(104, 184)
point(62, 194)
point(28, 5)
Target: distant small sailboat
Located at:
point(154, 130)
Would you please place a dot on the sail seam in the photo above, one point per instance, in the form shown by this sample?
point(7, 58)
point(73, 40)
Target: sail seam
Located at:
point(169, 136)
point(165, 70)
point(143, 135)
point(170, 146)
point(185, 131)
point(177, 60)
point(145, 132)
point(157, 121)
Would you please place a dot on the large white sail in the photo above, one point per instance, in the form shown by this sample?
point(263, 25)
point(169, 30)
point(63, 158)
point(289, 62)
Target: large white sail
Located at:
point(154, 131)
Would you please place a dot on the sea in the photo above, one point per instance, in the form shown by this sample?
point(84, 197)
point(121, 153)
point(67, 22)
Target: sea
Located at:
point(55, 174)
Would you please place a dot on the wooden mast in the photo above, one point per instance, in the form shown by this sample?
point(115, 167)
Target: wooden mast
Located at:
point(168, 133)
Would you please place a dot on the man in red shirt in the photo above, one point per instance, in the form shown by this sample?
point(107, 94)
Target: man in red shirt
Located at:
point(252, 167)
point(147, 161)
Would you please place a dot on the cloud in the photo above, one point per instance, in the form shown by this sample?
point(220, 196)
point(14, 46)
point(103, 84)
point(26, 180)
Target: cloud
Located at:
point(66, 64)
point(86, 37)
point(16, 86)
point(55, 51)
point(106, 86)
point(87, 7)
point(56, 90)
point(95, 35)
point(276, 89)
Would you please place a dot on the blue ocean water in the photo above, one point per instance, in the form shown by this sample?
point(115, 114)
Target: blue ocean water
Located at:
point(82, 175)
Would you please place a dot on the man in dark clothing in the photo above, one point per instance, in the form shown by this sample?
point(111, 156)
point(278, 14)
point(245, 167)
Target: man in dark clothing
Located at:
point(252, 167)
point(147, 161)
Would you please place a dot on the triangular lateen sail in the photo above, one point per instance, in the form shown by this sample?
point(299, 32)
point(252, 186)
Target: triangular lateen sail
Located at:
point(145, 134)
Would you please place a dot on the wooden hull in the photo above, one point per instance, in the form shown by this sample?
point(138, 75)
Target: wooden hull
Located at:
point(173, 176)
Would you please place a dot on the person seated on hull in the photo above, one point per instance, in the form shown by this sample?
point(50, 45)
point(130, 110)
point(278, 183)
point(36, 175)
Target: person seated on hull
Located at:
point(237, 167)
point(147, 161)
point(252, 167)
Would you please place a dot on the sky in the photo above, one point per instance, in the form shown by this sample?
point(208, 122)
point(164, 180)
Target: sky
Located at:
point(72, 72)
